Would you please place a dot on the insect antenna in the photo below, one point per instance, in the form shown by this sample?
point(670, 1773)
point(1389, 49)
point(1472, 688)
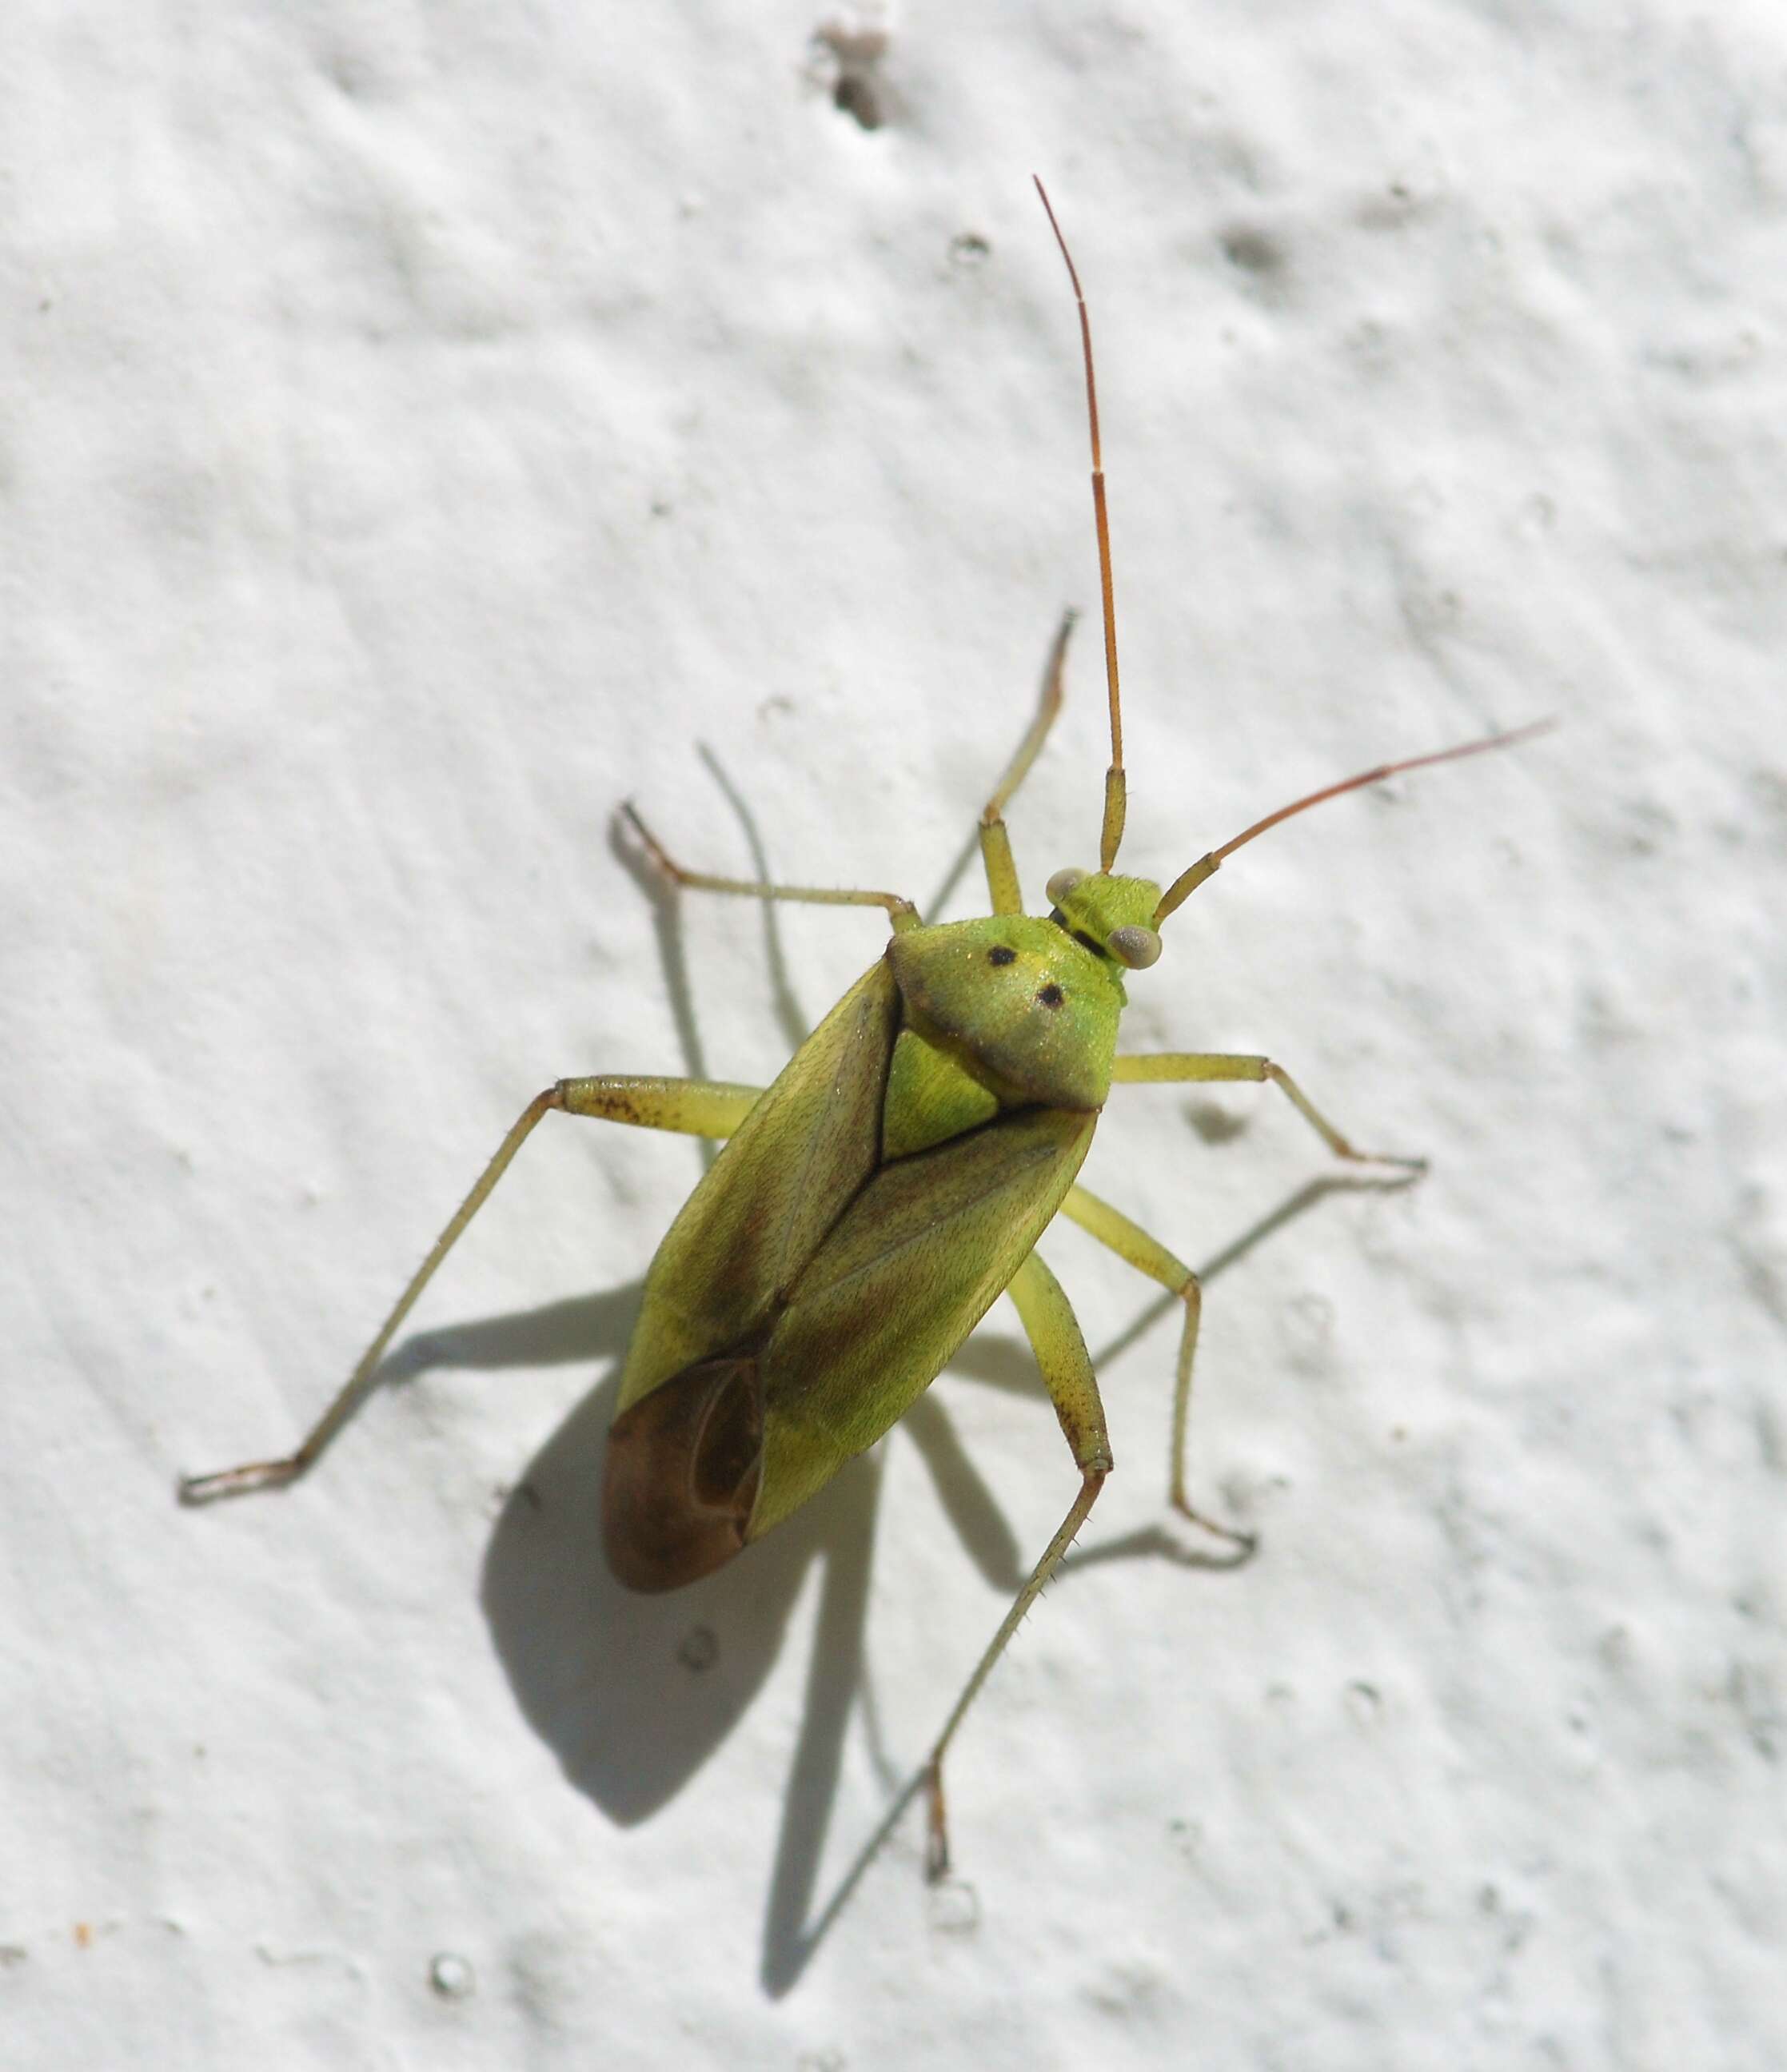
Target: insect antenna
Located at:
point(1187, 881)
point(1116, 793)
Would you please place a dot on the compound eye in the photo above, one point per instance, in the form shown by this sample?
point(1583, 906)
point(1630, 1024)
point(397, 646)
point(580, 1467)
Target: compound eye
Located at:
point(1136, 948)
point(1062, 883)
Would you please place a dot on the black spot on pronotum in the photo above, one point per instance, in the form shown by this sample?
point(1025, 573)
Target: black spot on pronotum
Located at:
point(1051, 996)
point(1002, 956)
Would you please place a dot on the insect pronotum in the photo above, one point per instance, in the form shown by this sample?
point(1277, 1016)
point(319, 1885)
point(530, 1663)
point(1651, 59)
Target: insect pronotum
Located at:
point(870, 1206)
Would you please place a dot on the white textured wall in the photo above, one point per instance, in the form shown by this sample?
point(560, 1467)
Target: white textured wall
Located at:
point(421, 428)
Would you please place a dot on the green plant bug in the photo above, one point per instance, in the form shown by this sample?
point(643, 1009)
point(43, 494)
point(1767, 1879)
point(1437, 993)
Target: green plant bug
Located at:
point(868, 1208)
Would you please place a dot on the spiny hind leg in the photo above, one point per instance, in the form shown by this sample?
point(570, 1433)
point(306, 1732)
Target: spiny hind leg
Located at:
point(1055, 1336)
point(696, 1108)
point(995, 843)
point(1148, 1256)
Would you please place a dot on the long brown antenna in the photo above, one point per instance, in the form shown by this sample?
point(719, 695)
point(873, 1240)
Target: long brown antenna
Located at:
point(1188, 882)
point(1115, 796)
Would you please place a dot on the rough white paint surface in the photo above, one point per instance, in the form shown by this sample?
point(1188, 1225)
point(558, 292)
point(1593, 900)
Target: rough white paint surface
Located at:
point(424, 428)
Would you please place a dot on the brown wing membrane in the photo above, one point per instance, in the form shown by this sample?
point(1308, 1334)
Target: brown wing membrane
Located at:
point(682, 1474)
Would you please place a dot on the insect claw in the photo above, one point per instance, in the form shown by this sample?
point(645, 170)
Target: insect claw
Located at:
point(1246, 1544)
point(1411, 1168)
point(196, 1490)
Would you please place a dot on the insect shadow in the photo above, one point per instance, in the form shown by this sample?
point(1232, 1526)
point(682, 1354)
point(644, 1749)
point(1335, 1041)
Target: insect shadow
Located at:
point(633, 1693)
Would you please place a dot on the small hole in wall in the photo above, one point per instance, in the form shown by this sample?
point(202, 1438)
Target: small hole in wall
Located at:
point(848, 61)
point(1253, 250)
point(853, 95)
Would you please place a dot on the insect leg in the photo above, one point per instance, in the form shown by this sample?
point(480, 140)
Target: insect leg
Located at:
point(697, 1107)
point(1148, 1256)
point(901, 912)
point(995, 844)
point(1186, 1067)
point(1060, 1351)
